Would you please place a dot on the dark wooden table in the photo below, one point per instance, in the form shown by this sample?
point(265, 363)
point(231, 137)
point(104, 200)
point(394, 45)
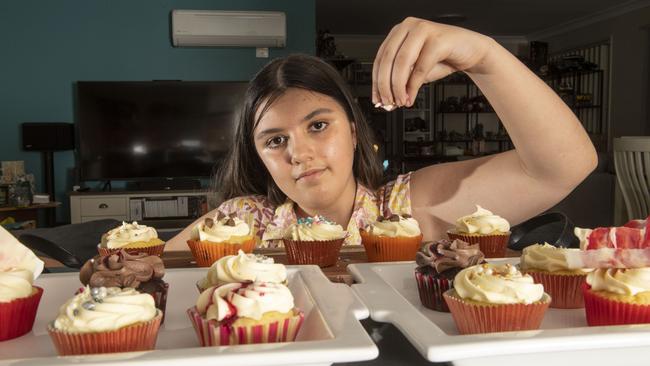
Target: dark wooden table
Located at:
point(337, 273)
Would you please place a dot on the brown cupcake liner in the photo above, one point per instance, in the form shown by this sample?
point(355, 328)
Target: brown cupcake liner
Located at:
point(471, 318)
point(149, 250)
point(206, 252)
point(160, 298)
point(323, 253)
point(17, 316)
point(210, 333)
point(386, 249)
point(603, 311)
point(137, 337)
point(431, 289)
point(565, 289)
point(492, 246)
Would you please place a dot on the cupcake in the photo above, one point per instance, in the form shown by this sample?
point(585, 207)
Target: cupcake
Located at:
point(437, 265)
point(245, 313)
point(394, 238)
point(548, 266)
point(218, 237)
point(495, 298)
point(106, 320)
point(133, 238)
point(19, 299)
point(243, 267)
point(139, 271)
point(490, 231)
point(314, 240)
point(617, 296)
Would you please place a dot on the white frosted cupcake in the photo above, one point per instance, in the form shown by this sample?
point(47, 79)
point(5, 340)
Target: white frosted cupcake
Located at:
point(491, 232)
point(132, 237)
point(394, 238)
point(496, 298)
point(106, 320)
point(615, 296)
point(244, 313)
point(19, 299)
point(548, 266)
point(243, 267)
point(218, 237)
point(314, 240)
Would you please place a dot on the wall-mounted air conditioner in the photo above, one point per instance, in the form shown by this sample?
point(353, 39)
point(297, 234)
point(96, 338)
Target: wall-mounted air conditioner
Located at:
point(205, 28)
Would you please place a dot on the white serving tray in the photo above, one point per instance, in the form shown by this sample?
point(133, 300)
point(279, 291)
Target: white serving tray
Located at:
point(331, 331)
point(390, 292)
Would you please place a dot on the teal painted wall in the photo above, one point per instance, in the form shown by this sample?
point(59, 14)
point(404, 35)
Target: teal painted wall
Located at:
point(49, 45)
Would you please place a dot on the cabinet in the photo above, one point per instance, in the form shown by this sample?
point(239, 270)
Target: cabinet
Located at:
point(160, 209)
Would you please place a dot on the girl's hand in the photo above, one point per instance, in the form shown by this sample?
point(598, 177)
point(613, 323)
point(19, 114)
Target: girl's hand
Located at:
point(418, 51)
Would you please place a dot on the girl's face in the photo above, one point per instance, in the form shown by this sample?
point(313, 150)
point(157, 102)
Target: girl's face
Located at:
point(307, 144)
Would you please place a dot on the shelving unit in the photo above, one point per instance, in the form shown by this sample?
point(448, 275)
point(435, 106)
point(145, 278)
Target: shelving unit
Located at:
point(583, 92)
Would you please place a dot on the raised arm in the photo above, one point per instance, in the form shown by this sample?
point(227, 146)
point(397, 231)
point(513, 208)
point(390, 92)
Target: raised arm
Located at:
point(552, 155)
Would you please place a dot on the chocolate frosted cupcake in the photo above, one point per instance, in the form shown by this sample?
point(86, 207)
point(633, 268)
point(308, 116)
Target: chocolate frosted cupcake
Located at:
point(218, 237)
point(437, 264)
point(140, 271)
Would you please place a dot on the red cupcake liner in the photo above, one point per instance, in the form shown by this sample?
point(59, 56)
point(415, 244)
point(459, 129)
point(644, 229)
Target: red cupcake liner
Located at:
point(603, 311)
point(206, 252)
point(386, 249)
point(150, 250)
point(323, 253)
point(17, 316)
point(492, 246)
point(137, 337)
point(212, 334)
point(471, 318)
point(565, 289)
point(431, 290)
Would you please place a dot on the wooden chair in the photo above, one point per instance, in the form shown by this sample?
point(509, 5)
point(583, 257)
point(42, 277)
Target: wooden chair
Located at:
point(632, 164)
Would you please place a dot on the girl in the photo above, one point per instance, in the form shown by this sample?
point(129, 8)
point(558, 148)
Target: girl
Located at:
point(302, 147)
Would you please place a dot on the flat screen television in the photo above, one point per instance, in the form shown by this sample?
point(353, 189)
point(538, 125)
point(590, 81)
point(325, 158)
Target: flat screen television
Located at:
point(154, 129)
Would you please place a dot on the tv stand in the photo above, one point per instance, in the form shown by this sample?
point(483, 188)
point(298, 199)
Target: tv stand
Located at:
point(168, 184)
point(162, 209)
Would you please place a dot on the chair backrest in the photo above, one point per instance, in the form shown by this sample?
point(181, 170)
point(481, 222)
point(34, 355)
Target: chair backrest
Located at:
point(632, 164)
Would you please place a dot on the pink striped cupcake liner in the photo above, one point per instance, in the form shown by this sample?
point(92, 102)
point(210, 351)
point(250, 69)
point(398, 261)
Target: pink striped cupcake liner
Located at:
point(210, 333)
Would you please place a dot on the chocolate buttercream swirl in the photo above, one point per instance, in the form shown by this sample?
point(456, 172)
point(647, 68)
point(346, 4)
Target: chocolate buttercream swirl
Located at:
point(121, 269)
point(443, 255)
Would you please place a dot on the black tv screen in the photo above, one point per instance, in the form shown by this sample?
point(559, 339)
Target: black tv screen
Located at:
point(152, 129)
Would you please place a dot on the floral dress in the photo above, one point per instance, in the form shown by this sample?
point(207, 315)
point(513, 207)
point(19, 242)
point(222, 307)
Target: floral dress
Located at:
point(269, 223)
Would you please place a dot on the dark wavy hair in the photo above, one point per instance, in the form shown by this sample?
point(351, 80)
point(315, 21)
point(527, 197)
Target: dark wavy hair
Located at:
point(242, 172)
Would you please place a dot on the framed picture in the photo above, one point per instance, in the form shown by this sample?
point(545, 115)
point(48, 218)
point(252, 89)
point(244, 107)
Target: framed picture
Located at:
point(4, 195)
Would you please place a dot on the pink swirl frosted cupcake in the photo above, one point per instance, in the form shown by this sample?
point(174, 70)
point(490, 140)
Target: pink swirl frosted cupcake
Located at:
point(245, 313)
point(491, 232)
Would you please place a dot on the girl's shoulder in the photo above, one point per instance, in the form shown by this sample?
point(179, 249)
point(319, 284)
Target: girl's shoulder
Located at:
point(246, 204)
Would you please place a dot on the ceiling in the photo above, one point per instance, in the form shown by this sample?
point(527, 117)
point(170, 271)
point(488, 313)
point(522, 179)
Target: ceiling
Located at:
point(492, 17)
